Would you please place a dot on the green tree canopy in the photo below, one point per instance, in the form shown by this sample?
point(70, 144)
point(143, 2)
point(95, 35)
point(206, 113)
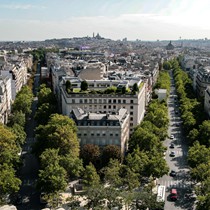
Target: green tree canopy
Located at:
point(60, 132)
point(112, 173)
point(8, 182)
point(52, 179)
point(84, 85)
point(90, 177)
point(23, 101)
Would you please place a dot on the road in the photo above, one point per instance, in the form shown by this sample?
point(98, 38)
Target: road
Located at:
point(178, 163)
point(29, 170)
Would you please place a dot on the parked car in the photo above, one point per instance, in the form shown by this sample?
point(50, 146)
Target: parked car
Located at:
point(172, 154)
point(172, 173)
point(172, 137)
point(173, 195)
point(171, 145)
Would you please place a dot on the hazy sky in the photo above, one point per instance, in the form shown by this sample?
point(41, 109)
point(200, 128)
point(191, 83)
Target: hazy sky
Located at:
point(115, 19)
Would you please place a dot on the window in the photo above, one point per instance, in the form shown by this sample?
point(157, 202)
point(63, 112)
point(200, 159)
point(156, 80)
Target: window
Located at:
point(131, 118)
point(131, 113)
point(110, 106)
point(119, 101)
point(116, 134)
point(73, 101)
point(131, 107)
point(90, 100)
point(110, 101)
point(80, 101)
point(95, 101)
point(98, 134)
point(131, 124)
point(124, 101)
point(85, 134)
point(114, 107)
point(114, 101)
point(131, 101)
point(104, 134)
point(105, 101)
point(104, 106)
point(79, 134)
point(100, 101)
point(92, 134)
point(111, 134)
point(85, 100)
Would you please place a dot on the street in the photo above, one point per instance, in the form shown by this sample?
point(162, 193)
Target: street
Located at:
point(177, 160)
point(29, 170)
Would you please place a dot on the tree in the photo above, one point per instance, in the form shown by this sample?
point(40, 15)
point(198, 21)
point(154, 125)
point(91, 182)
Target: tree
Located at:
point(95, 197)
point(130, 179)
point(198, 154)
point(90, 153)
point(73, 165)
point(90, 177)
point(144, 139)
point(8, 182)
point(112, 196)
point(17, 117)
point(49, 157)
point(146, 200)
point(135, 88)
point(110, 152)
point(204, 133)
point(18, 130)
point(157, 166)
point(193, 135)
point(8, 147)
point(60, 132)
point(84, 85)
point(68, 86)
point(167, 65)
point(45, 95)
point(123, 90)
point(52, 179)
point(112, 173)
point(23, 101)
point(137, 161)
point(43, 113)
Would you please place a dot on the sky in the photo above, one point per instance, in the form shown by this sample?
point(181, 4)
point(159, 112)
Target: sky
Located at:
point(116, 19)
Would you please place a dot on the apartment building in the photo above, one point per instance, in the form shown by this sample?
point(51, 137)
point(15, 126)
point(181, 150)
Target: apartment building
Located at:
point(5, 98)
point(102, 128)
point(207, 101)
point(202, 80)
point(105, 103)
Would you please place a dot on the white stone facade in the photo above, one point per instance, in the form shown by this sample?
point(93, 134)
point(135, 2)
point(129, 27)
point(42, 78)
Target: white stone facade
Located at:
point(5, 99)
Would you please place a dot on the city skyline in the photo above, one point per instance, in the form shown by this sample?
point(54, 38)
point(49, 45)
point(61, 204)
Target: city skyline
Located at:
point(144, 20)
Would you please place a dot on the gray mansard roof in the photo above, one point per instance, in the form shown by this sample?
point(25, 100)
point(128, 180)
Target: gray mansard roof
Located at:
point(80, 115)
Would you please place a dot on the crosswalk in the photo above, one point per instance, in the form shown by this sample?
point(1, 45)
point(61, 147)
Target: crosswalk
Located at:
point(176, 184)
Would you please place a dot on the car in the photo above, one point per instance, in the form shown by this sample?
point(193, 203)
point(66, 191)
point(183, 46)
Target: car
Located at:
point(173, 195)
point(172, 137)
point(171, 145)
point(176, 112)
point(172, 173)
point(172, 154)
